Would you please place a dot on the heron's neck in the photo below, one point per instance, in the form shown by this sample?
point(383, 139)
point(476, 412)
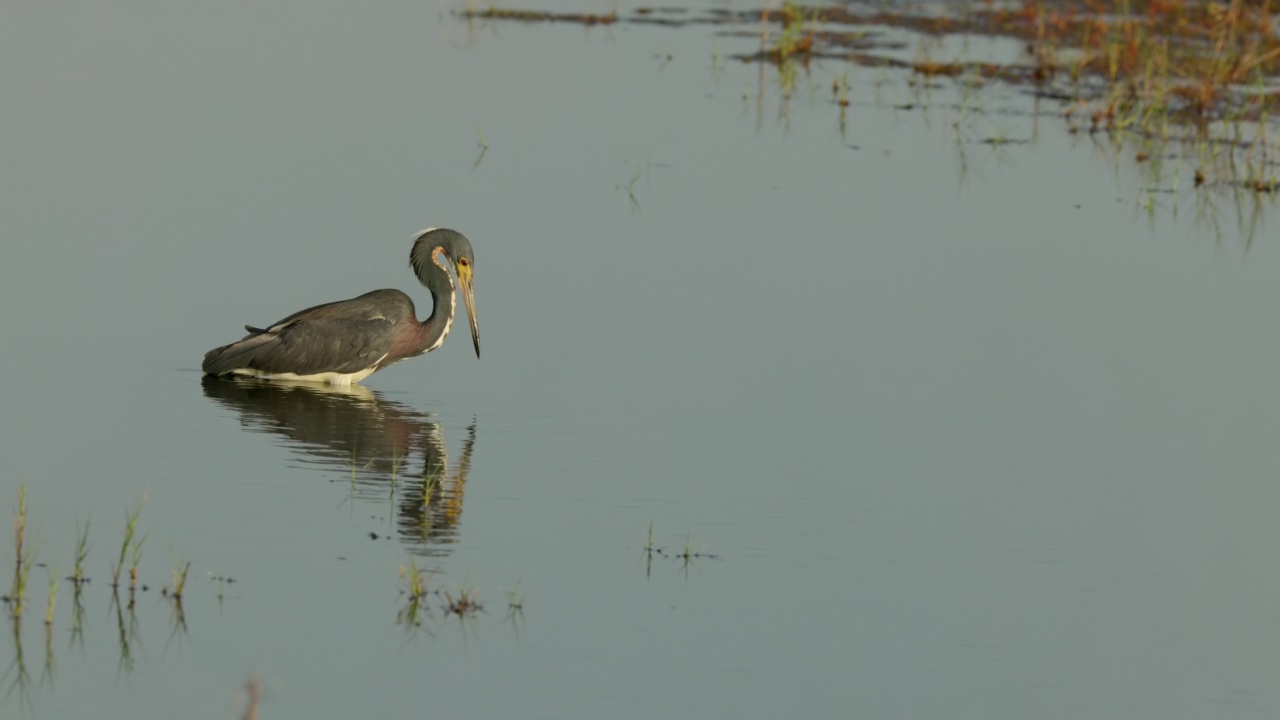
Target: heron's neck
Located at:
point(443, 303)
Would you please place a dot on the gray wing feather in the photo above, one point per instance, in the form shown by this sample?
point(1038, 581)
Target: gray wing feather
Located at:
point(305, 347)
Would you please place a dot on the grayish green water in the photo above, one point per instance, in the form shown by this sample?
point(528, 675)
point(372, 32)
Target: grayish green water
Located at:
point(979, 441)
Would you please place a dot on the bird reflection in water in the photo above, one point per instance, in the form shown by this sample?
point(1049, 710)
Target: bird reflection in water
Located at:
point(389, 451)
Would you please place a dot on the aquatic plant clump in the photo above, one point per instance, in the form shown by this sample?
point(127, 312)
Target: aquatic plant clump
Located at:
point(1144, 60)
point(1198, 61)
point(1203, 75)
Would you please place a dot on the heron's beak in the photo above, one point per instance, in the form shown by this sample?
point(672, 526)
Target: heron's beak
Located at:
point(469, 299)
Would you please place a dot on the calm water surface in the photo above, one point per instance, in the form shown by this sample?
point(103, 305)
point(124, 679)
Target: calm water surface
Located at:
point(977, 439)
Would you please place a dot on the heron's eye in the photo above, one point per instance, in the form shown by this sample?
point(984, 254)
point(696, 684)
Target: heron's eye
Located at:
point(463, 262)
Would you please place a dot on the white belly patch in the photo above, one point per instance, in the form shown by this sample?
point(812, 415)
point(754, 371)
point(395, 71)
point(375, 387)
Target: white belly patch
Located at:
point(331, 378)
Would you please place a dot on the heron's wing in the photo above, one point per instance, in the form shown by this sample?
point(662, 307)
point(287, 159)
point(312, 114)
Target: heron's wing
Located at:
point(379, 304)
point(306, 347)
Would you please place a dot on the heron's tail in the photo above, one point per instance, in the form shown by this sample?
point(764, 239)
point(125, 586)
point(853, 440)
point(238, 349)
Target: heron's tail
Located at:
point(237, 355)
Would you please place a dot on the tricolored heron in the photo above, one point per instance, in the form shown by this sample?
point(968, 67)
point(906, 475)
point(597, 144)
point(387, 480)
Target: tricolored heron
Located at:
point(347, 341)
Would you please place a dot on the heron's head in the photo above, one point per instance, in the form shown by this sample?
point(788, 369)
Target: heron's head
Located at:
point(457, 248)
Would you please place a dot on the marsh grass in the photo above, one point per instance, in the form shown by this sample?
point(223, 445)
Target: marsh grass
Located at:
point(414, 585)
point(484, 148)
point(415, 580)
point(473, 11)
point(175, 591)
point(130, 547)
point(129, 555)
point(1198, 79)
point(649, 551)
point(78, 576)
point(795, 40)
point(52, 602)
point(793, 47)
point(1174, 78)
point(466, 604)
point(840, 89)
point(178, 581)
point(17, 677)
point(23, 557)
point(687, 554)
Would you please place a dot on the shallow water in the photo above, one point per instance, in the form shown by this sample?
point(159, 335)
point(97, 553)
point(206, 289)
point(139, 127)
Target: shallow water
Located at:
point(961, 430)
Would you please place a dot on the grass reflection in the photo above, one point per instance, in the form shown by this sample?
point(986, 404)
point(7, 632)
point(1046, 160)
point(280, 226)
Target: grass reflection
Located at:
point(128, 638)
point(16, 678)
